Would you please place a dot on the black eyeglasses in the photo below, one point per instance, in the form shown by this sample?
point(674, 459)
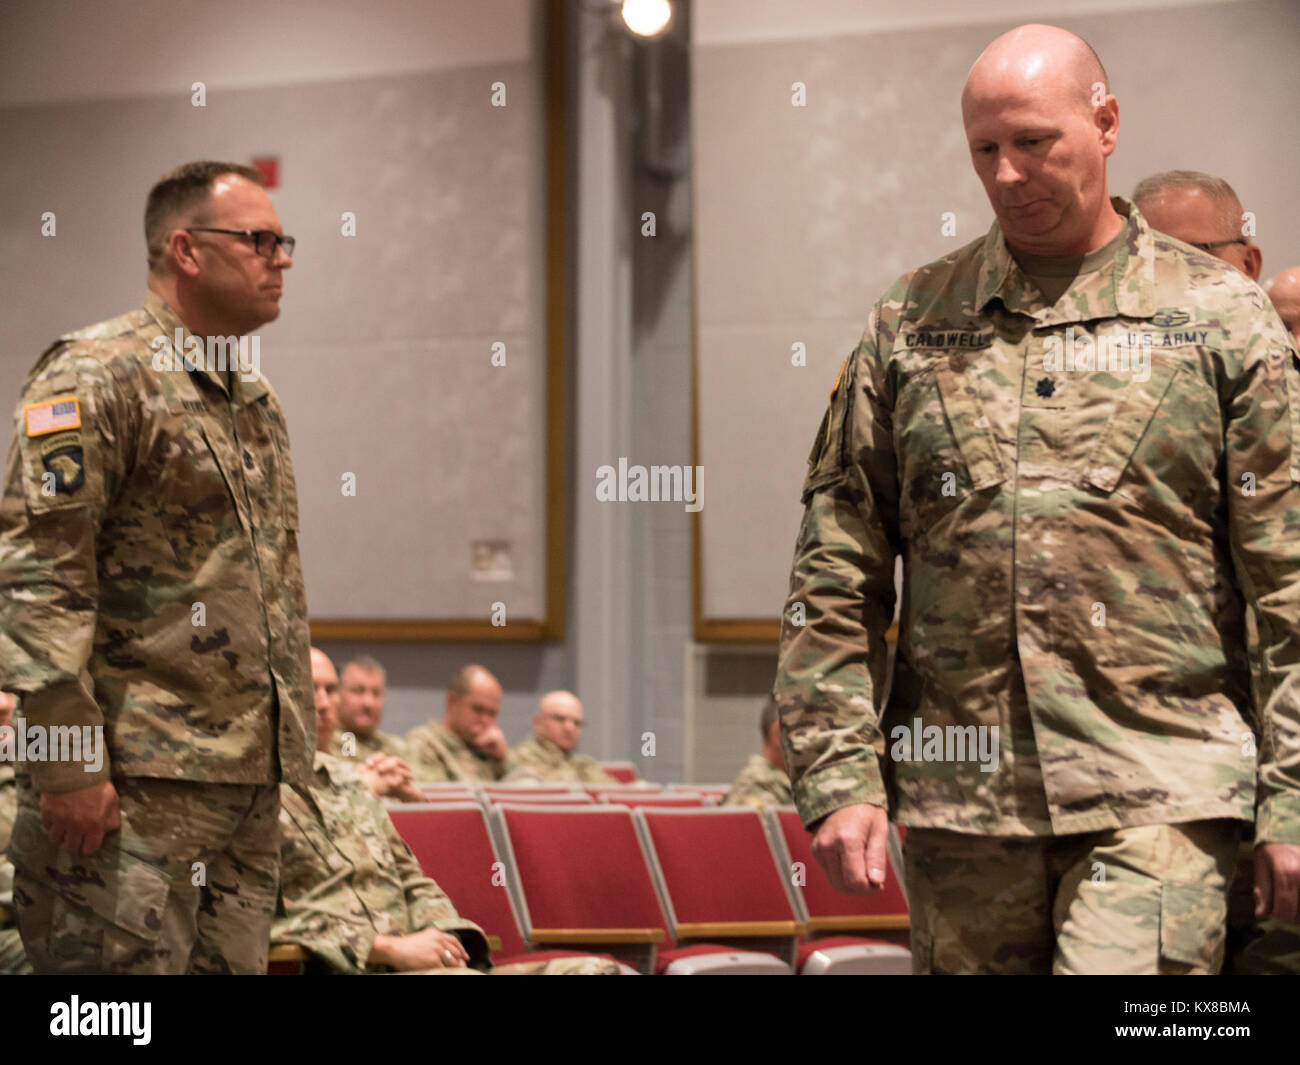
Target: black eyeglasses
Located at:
point(264, 241)
point(1209, 245)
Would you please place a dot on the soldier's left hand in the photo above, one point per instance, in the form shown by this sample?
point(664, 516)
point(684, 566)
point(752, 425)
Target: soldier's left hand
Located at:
point(1277, 881)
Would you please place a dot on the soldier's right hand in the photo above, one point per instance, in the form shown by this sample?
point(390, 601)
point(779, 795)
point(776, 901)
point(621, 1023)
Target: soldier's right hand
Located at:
point(78, 820)
point(850, 845)
point(426, 949)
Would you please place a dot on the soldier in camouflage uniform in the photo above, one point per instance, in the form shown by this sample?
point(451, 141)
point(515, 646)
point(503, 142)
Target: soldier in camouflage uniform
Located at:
point(763, 781)
point(352, 893)
point(550, 755)
point(152, 590)
point(466, 745)
point(13, 959)
point(1082, 437)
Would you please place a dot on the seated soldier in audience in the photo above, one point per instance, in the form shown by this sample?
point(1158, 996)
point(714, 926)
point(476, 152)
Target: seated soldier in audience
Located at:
point(763, 781)
point(351, 892)
point(550, 754)
point(13, 959)
point(384, 774)
point(466, 744)
point(361, 709)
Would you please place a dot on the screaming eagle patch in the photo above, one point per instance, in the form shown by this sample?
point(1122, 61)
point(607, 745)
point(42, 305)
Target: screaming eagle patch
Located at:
point(65, 465)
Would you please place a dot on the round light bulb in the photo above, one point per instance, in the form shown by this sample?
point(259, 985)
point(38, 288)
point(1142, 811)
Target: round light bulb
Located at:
point(646, 17)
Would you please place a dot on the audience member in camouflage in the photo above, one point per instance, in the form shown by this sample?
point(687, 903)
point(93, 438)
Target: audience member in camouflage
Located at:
point(13, 959)
point(466, 745)
point(551, 755)
point(1079, 435)
point(1205, 212)
point(362, 691)
point(763, 781)
point(153, 590)
point(353, 895)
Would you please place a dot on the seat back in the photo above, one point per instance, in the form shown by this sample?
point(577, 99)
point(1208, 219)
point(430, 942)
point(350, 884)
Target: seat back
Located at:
point(579, 868)
point(623, 771)
point(454, 847)
point(719, 873)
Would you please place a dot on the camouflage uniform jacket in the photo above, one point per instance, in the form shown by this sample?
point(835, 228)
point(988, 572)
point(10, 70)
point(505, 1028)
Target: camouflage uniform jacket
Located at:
point(1079, 548)
point(346, 876)
point(549, 762)
point(149, 572)
point(365, 746)
point(759, 784)
point(437, 754)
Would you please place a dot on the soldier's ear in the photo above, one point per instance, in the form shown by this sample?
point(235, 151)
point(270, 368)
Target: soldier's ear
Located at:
point(1254, 262)
point(182, 253)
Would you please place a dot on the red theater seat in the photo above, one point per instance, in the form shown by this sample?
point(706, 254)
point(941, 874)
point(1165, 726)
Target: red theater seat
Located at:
point(585, 880)
point(621, 771)
point(721, 879)
point(454, 847)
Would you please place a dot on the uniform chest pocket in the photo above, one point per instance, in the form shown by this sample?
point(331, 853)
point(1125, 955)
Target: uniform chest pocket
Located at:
point(1162, 444)
point(945, 446)
point(193, 497)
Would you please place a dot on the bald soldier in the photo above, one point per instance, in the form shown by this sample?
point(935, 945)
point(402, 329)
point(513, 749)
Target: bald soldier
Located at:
point(1077, 432)
point(361, 710)
point(1284, 291)
point(763, 781)
point(1200, 210)
point(550, 754)
point(153, 604)
point(352, 893)
point(466, 744)
point(1204, 211)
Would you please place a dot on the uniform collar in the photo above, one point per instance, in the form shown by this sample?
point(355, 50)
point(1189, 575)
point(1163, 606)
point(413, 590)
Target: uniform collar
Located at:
point(246, 391)
point(1126, 290)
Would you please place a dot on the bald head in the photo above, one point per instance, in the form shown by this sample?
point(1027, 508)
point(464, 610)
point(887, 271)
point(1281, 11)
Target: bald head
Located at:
point(559, 719)
point(1041, 122)
point(325, 686)
point(1284, 291)
point(1049, 57)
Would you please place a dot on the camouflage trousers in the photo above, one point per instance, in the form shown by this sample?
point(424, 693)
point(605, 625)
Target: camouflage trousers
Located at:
point(188, 884)
point(1257, 947)
point(1143, 900)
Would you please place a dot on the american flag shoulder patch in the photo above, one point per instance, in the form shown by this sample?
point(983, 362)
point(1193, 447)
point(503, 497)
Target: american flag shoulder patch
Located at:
point(53, 416)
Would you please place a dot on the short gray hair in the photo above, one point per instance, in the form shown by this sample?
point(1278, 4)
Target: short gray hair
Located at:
point(1218, 190)
point(365, 662)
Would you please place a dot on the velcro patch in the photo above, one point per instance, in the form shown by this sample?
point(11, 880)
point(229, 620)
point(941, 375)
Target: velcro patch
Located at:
point(53, 416)
point(65, 465)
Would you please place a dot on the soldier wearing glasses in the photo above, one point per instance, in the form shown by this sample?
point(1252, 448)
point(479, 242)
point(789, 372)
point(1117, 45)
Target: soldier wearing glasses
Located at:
point(150, 589)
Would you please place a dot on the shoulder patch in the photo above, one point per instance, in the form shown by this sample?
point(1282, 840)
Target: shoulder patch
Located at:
point(53, 415)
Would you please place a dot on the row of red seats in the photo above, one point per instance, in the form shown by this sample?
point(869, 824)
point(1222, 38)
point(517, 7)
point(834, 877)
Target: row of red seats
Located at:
point(666, 890)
